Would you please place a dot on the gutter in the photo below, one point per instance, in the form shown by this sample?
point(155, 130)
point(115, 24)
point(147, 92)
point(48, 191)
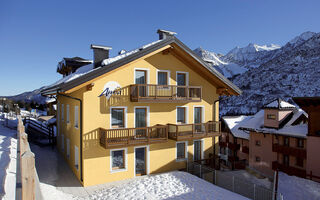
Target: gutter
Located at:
point(80, 101)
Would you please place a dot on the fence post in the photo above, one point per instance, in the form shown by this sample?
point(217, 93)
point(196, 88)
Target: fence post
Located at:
point(232, 183)
point(254, 191)
point(28, 175)
point(200, 172)
point(215, 177)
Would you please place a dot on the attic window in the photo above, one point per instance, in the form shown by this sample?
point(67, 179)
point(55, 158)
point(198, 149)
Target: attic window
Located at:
point(271, 116)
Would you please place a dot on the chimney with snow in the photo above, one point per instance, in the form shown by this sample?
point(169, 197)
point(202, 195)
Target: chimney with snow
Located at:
point(163, 34)
point(99, 54)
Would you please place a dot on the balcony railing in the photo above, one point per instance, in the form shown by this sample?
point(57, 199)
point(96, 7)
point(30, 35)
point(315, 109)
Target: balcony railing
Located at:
point(245, 149)
point(288, 169)
point(289, 150)
point(194, 131)
point(111, 138)
point(165, 93)
point(222, 144)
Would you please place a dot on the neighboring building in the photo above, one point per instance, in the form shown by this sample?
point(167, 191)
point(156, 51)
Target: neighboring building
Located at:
point(144, 111)
point(51, 105)
point(234, 142)
point(312, 106)
point(278, 136)
point(70, 65)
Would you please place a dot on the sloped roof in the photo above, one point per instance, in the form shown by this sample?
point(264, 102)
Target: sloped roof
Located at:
point(110, 64)
point(279, 104)
point(234, 123)
point(256, 123)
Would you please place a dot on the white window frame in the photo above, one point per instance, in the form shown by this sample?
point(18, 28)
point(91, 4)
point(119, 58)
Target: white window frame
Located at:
point(168, 75)
point(62, 142)
point(134, 115)
point(187, 77)
point(186, 151)
point(62, 112)
point(68, 113)
point(187, 113)
point(203, 112)
point(148, 159)
point(125, 160)
point(76, 157)
point(68, 148)
point(125, 116)
point(202, 148)
point(76, 117)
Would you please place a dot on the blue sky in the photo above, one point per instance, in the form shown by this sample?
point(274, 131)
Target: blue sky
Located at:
point(35, 35)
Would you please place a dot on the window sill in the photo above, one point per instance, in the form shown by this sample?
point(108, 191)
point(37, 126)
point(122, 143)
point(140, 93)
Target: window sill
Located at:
point(118, 170)
point(181, 159)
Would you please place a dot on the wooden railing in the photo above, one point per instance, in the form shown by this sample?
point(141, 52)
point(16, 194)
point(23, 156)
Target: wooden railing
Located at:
point(289, 169)
point(222, 144)
point(111, 138)
point(193, 131)
point(165, 93)
point(27, 175)
point(298, 152)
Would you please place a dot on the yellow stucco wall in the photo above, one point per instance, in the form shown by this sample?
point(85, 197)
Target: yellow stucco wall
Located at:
point(96, 114)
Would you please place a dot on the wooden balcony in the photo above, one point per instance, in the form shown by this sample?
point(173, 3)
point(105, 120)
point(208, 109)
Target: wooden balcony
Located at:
point(288, 169)
point(222, 144)
point(114, 138)
point(245, 149)
point(165, 93)
point(298, 152)
point(180, 132)
point(233, 147)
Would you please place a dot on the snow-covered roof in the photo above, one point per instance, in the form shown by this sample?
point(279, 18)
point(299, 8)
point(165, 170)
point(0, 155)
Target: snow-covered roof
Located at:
point(234, 123)
point(279, 104)
point(50, 100)
point(256, 123)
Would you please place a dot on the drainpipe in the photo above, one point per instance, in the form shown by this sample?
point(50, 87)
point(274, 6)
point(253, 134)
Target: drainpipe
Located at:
point(80, 101)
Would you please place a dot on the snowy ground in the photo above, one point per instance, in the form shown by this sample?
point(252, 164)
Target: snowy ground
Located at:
point(295, 188)
point(171, 185)
point(8, 153)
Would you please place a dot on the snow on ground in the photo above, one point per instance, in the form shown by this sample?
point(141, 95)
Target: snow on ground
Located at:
point(171, 185)
point(295, 188)
point(8, 153)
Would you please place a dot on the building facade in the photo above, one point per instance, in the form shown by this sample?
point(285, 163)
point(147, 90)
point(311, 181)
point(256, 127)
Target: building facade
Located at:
point(146, 111)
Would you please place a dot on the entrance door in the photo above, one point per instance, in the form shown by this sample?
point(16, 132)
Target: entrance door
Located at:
point(141, 161)
point(141, 121)
point(197, 150)
point(181, 81)
point(141, 78)
point(198, 119)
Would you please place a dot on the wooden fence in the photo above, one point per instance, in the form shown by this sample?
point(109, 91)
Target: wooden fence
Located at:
point(27, 175)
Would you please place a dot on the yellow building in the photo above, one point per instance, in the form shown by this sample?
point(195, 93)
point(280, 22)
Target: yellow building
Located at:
point(144, 111)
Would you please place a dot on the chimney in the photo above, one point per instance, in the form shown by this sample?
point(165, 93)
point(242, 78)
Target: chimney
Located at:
point(163, 34)
point(99, 54)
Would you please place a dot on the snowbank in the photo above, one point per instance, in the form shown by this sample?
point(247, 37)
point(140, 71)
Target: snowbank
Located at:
point(171, 185)
point(295, 188)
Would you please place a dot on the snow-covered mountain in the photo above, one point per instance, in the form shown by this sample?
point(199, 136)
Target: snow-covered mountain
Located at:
point(272, 72)
point(31, 96)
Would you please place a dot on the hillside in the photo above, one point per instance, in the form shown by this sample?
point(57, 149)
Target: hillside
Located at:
point(31, 96)
point(292, 70)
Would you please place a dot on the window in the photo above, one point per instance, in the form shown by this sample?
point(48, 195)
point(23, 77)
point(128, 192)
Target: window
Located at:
point(76, 157)
point(62, 143)
point(117, 117)
point(181, 150)
point(286, 141)
point(299, 162)
point(68, 116)
point(271, 116)
point(258, 159)
point(68, 148)
point(76, 116)
point(258, 143)
point(163, 78)
point(181, 115)
point(286, 160)
point(300, 143)
point(62, 112)
point(58, 119)
point(118, 159)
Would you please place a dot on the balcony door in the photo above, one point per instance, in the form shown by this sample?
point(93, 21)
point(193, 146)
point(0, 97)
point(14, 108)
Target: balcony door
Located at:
point(140, 122)
point(141, 78)
point(140, 161)
point(197, 119)
point(181, 81)
point(197, 150)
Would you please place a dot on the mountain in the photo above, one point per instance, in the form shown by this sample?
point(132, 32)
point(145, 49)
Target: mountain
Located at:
point(31, 96)
point(273, 72)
